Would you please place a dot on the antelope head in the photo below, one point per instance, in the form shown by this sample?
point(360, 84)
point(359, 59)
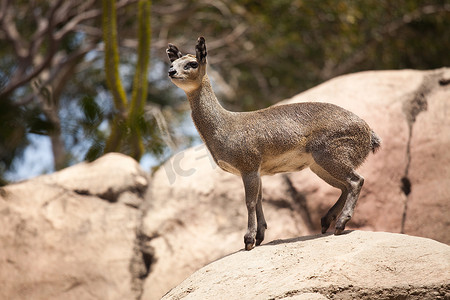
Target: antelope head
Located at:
point(187, 71)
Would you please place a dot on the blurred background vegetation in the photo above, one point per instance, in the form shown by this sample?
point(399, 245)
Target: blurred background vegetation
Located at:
point(89, 76)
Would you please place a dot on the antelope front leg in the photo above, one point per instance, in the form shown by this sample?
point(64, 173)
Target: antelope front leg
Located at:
point(262, 225)
point(252, 188)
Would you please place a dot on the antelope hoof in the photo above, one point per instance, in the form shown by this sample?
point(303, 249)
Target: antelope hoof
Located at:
point(338, 231)
point(260, 234)
point(249, 247)
point(249, 242)
point(340, 225)
point(325, 224)
point(339, 228)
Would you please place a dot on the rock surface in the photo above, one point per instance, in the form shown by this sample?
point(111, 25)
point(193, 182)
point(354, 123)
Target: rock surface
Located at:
point(73, 234)
point(197, 212)
point(357, 265)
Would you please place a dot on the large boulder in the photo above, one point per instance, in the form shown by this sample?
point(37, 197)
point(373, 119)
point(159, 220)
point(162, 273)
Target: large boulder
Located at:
point(407, 187)
point(74, 234)
point(197, 212)
point(357, 265)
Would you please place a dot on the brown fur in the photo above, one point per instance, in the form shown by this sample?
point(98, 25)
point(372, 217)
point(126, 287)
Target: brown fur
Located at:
point(330, 140)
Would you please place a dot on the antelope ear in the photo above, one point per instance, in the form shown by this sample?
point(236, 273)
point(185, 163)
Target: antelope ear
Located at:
point(173, 53)
point(200, 50)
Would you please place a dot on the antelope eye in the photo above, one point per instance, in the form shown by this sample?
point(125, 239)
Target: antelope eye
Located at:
point(193, 65)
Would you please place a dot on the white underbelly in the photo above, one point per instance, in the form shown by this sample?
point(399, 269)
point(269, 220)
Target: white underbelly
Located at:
point(228, 167)
point(291, 161)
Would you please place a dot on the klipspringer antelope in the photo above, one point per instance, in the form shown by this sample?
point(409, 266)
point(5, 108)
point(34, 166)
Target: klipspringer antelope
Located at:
point(328, 139)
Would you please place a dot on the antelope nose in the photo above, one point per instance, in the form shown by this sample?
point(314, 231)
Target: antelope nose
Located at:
point(172, 72)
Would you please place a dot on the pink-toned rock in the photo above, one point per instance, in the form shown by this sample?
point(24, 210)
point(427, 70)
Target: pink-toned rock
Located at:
point(407, 187)
point(428, 205)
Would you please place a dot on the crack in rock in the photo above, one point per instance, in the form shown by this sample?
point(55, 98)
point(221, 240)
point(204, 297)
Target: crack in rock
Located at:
point(112, 195)
point(141, 262)
point(143, 256)
point(412, 107)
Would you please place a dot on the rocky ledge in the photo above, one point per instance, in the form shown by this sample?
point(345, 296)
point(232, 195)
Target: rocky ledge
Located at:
point(356, 265)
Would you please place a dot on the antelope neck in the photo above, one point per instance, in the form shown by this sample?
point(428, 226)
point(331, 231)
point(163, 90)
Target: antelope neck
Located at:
point(207, 113)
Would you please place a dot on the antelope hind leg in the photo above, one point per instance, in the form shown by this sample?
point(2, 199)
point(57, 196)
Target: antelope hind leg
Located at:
point(335, 210)
point(355, 182)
